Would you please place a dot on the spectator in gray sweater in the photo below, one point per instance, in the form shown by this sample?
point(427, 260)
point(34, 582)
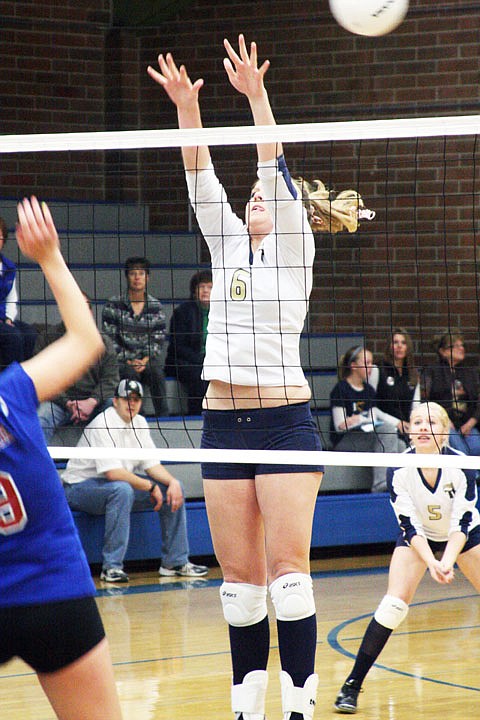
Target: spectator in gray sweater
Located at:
point(135, 322)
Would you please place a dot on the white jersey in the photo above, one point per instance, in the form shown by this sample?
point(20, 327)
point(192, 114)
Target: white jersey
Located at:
point(258, 303)
point(109, 430)
point(434, 512)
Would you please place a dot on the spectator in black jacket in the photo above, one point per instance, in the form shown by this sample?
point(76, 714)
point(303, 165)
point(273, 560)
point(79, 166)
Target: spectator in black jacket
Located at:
point(188, 332)
point(455, 385)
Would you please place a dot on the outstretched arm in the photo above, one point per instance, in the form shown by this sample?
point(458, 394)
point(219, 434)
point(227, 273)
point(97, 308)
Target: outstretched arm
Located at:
point(64, 361)
point(246, 77)
point(184, 94)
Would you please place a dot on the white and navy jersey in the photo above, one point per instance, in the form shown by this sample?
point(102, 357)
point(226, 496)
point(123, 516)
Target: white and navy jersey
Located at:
point(434, 512)
point(41, 557)
point(259, 301)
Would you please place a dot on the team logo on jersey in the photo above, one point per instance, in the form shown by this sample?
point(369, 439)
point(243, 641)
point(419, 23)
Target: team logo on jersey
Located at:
point(449, 489)
point(6, 438)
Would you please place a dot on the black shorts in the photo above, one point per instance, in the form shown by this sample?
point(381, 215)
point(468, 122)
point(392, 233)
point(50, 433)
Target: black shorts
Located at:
point(52, 635)
point(288, 427)
point(438, 547)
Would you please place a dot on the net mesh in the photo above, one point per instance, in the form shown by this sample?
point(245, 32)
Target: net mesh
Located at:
point(415, 266)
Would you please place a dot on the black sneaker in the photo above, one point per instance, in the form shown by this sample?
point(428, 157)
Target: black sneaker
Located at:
point(346, 701)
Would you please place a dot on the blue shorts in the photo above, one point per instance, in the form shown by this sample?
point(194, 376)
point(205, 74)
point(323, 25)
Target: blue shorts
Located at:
point(288, 427)
point(438, 547)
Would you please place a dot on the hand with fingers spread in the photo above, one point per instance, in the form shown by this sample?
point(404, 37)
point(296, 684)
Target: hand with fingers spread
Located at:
point(175, 81)
point(242, 69)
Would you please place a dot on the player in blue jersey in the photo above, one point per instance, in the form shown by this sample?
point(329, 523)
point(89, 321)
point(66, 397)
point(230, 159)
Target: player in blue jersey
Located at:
point(48, 615)
point(439, 526)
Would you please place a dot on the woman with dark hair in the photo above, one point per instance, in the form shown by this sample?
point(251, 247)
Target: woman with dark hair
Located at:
point(187, 338)
point(456, 386)
point(357, 423)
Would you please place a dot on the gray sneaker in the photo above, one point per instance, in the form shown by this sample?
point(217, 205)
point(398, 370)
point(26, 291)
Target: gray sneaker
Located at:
point(114, 575)
point(187, 570)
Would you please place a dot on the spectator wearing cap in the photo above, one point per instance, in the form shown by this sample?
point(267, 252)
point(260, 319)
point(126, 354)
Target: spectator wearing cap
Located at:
point(91, 394)
point(135, 322)
point(114, 487)
point(187, 337)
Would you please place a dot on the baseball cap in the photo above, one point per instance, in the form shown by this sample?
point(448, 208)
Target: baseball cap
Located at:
point(126, 387)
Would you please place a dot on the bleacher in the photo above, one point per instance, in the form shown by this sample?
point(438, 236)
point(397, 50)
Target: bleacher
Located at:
point(96, 256)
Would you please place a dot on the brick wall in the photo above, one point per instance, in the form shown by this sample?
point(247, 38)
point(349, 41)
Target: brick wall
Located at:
point(65, 68)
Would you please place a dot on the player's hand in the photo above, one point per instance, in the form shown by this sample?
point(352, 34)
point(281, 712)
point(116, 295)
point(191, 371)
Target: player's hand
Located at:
point(36, 233)
point(242, 69)
point(441, 574)
point(175, 81)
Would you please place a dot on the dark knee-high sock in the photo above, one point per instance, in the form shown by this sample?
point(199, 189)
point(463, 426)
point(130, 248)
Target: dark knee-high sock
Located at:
point(373, 642)
point(297, 641)
point(249, 646)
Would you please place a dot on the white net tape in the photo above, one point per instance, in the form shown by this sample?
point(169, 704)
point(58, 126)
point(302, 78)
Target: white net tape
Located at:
point(244, 135)
point(278, 457)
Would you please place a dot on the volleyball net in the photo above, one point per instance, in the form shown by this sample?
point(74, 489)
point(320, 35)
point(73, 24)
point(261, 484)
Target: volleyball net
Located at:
point(116, 195)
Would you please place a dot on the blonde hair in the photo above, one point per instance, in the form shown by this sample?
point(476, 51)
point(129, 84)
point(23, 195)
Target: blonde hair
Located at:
point(329, 213)
point(433, 408)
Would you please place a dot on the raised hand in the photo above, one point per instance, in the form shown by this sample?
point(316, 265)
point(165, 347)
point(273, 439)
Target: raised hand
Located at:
point(36, 233)
point(242, 69)
point(175, 81)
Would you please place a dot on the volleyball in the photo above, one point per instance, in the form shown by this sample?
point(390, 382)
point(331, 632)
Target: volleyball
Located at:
point(369, 17)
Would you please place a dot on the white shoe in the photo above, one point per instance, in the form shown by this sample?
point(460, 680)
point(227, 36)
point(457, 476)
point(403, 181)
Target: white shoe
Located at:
point(301, 700)
point(248, 698)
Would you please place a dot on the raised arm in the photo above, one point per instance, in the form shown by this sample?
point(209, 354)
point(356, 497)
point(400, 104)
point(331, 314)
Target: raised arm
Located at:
point(246, 77)
point(184, 94)
point(64, 361)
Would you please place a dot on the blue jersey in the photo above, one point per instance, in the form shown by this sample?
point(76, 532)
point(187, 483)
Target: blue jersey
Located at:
point(41, 557)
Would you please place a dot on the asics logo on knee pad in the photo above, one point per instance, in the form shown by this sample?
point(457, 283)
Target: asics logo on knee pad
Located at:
point(292, 596)
point(243, 604)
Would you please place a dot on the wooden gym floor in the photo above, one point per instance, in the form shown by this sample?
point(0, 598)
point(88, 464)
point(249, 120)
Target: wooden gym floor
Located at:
point(170, 649)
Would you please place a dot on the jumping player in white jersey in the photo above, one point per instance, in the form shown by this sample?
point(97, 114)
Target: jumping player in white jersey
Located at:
point(439, 526)
point(258, 398)
point(48, 615)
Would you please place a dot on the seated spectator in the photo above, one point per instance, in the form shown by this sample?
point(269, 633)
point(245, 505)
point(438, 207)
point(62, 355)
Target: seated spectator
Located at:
point(396, 381)
point(135, 322)
point(17, 338)
point(358, 425)
point(456, 387)
point(88, 396)
point(188, 333)
point(114, 487)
